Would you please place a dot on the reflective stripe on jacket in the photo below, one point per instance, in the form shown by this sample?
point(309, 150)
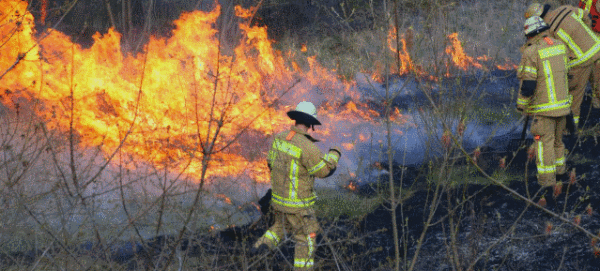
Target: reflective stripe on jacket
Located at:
point(295, 161)
point(572, 26)
point(590, 7)
point(544, 60)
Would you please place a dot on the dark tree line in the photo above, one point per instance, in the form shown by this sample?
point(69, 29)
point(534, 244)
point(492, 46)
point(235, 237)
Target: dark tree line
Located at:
point(137, 19)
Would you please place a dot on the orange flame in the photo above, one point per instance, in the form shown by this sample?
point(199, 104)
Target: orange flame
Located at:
point(507, 66)
point(406, 64)
point(348, 146)
point(224, 198)
point(165, 106)
point(397, 116)
point(457, 53)
point(352, 112)
point(399, 46)
point(245, 13)
point(363, 138)
point(352, 185)
point(164, 97)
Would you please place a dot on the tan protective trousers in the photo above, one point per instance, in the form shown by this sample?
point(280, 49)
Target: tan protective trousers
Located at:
point(579, 76)
point(549, 148)
point(303, 227)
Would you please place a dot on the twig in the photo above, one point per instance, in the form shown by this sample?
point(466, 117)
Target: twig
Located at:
point(336, 255)
point(562, 259)
point(42, 256)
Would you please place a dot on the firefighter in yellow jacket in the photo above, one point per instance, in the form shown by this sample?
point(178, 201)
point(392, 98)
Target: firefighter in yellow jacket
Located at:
point(572, 25)
point(295, 161)
point(593, 7)
point(544, 96)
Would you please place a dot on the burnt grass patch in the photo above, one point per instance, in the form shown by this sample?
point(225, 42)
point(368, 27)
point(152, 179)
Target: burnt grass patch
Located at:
point(492, 229)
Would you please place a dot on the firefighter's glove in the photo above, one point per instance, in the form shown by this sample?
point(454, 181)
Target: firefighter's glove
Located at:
point(336, 149)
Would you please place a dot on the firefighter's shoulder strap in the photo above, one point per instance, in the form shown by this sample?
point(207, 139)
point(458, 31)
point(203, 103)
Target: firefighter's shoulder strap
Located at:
point(290, 135)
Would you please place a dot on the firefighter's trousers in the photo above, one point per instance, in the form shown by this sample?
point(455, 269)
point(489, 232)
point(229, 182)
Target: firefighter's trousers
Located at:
point(549, 148)
point(579, 76)
point(303, 227)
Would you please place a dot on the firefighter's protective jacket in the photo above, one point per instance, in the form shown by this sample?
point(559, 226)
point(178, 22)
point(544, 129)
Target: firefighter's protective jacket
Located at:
point(544, 61)
point(592, 7)
point(572, 25)
point(295, 161)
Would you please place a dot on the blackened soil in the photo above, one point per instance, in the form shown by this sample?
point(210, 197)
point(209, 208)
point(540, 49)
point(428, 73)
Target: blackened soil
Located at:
point(490, 228)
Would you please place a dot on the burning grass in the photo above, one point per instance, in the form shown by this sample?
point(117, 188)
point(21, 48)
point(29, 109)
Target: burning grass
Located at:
point(488, 24)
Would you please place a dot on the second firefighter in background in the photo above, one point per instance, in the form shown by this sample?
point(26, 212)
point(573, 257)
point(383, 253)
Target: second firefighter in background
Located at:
point(593, 8)
point(544, 96)
point(572, 26)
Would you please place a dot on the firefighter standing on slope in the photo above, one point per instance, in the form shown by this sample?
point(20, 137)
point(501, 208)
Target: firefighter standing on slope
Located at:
point(295, 161)
point(544, 95)
point(572, 25)
point(593, 7)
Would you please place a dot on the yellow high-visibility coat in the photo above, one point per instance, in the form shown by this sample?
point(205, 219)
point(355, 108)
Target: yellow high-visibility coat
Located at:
point(544, 60)
point(572, 25)
point(295, 161)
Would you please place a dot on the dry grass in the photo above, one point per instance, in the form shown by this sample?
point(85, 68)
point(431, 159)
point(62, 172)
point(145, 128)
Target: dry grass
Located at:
point(491, 28)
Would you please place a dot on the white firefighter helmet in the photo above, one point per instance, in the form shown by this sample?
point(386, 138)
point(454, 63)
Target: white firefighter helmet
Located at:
point(306, 113)
point(535, 9)
point(534, 25)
